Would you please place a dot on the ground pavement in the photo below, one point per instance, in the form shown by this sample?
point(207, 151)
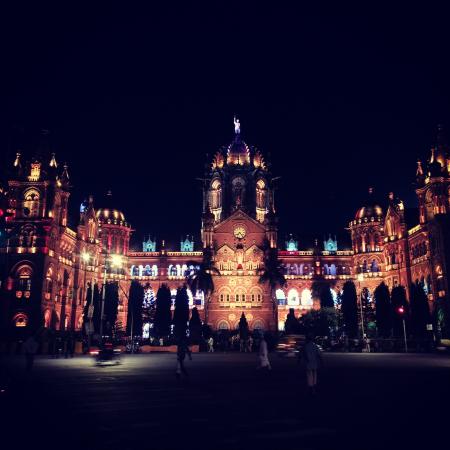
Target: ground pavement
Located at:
point(364, 401)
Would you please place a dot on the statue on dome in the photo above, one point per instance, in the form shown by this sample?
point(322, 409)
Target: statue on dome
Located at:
point(237, 125)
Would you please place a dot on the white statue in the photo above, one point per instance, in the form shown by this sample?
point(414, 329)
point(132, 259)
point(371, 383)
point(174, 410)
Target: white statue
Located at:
point(237, 125)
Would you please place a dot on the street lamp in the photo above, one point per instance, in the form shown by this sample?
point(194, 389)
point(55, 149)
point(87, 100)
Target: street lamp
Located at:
point(401, 312)
point(86, 257)
point(115, 261)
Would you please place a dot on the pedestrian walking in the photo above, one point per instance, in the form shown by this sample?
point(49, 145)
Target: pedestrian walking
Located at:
point(30, 347)
point(182, 350)
point(249, 344)
point(313, 360)
point(263, 355)
point(211, 345)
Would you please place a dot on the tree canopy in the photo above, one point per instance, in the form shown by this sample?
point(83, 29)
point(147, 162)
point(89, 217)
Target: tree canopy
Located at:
point(383, 310)
point(134, 317)
point(163, 315)
point(181, 312)
point(349, 308)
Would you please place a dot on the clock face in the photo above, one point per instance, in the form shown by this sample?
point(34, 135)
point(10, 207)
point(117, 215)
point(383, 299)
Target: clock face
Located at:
point(239, 232)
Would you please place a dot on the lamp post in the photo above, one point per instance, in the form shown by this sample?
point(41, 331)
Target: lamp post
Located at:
point(401, 312)
point(115, 261)
point(85, 256)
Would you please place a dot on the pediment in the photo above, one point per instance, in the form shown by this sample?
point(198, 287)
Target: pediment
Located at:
point(239, 216)
point(225, 250)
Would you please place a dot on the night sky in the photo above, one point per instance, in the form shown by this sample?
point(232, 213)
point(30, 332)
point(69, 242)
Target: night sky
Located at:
point(135, 99)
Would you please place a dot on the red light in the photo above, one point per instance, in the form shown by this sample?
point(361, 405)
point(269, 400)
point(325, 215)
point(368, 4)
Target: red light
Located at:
point(401, 310)
point(1, 212)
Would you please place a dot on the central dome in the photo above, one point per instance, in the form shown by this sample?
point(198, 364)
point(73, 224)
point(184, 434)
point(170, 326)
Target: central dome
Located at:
point(109, 214)
point(370, 209)
point(113, 216)
point(238, 152)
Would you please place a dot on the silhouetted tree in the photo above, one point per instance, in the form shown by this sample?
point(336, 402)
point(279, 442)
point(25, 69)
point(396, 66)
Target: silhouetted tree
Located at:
point(243, 327)
point(97, 309)
point(398, 299)
point(291, 325)
point(383, 310)
point(320, 322)
point(201, 278)
point(163, 315)
point(134, 317)
point(181, 313)
point(420, 311)
point(195, 326)
point(321, 290)
point(272, 274)
point(349, 308)
point(111, 306)
point(88, 302)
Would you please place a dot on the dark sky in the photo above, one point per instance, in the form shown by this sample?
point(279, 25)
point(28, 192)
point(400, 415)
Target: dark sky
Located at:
point(135, 97)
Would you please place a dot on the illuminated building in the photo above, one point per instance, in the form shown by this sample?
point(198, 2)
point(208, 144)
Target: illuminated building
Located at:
point(47, 265)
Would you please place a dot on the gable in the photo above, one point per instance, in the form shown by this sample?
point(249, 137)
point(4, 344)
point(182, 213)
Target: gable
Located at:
point(239, 217)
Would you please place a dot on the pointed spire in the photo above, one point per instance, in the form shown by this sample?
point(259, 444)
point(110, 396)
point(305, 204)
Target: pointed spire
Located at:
point(17, 164)
point(65, 174)
point(432, 157)
point(419, 171)
point(53, 162)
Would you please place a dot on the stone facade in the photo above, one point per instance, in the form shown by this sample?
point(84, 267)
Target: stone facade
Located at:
point(46, 266)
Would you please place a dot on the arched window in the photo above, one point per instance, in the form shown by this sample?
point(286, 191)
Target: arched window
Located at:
point(223, 325)
point(293, 298)
point(20, 320)
point(47, 318)
point(199, 299)
point(134, 271)
point(31, 203)
point(240, 294)
point(173, 294)
point(334, 295)
point(22, 281)
point(155, 270)
point(306, 299)
point(190, 297)
point(149, 297)
point(215, 200)
point(332, 270)
point(258, 324)
point(172, 271)
point(280, 296)
point(48, 288)
point(374, 266)
point(261, 200)
point(238, 191)
point(147, 271)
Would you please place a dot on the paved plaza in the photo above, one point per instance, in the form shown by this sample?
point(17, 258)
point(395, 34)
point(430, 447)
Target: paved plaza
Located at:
point(365, 401)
